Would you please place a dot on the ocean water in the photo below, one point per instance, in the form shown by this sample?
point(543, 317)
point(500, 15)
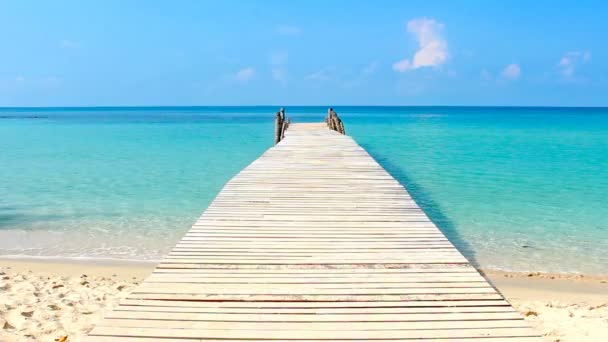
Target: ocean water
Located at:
point(521, 189)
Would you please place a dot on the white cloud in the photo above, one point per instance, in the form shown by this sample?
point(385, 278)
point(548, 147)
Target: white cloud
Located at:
point(511, 71)
point(433, 47)
point(289, 30)
point(571, 60)
point(244, 75)
point(403, 66)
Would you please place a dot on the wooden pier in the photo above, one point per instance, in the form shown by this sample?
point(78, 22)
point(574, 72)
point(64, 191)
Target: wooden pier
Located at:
point(314, 241)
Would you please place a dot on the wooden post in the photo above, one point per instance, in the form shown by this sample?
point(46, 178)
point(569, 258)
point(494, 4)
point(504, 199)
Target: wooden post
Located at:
point(283, 129)
point(280, 126)
point(331, 119)
point(334, 122)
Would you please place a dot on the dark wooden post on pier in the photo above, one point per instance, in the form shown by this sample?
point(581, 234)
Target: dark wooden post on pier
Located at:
point(280, 126)
point(334, 122)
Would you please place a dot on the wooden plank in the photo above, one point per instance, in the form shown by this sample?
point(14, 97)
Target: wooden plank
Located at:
point(319, 305)
point(261, 339)
point(411, 281)
point(280, 323)
point(291, 334)
point(287, 297)
point(340, 269)
point(353, 312)
point(302, 289)
point(333, 317)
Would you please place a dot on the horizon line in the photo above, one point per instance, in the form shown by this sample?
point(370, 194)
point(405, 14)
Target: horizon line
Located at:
point(286, 106)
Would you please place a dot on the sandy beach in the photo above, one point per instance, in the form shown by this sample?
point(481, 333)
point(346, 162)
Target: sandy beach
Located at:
point(47, 300)
point(561, 307)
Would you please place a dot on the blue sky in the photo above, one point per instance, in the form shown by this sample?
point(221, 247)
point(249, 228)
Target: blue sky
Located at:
point(99, 53)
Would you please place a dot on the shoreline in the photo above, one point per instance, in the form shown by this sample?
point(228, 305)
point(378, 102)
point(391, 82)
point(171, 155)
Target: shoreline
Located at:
point(43, 299)
point(490, 273)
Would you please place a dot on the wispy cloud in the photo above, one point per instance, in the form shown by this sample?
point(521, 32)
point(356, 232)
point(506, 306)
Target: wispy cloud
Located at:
point(485, 75)
point(279, 75)
point(245, 75)
point(433, 49)
point(512, 72)
point(361, 76)
point(68, 44)
point(571, 60)
point(278, 64)
point(345, 77)
point(289, 30)
point(320, 75)
point(369, 69)
point(279, 58)
point(23, 82)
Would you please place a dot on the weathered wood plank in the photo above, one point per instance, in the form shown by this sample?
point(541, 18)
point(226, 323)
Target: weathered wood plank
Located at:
point(297, 335)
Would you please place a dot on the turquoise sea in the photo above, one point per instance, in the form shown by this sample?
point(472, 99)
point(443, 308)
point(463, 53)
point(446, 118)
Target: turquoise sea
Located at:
point(523, 189)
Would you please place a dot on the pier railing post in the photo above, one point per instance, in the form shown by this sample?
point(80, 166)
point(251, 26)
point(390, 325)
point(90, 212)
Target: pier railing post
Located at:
point(280, 126)
point(334, 122)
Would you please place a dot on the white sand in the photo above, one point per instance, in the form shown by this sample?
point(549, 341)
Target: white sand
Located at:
point(562, 308)
point(44, 301)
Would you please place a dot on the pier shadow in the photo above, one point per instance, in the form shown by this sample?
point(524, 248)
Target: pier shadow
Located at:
point(430, 207)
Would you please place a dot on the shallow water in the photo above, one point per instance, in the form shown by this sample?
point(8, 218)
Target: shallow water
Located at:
point(514, 188)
